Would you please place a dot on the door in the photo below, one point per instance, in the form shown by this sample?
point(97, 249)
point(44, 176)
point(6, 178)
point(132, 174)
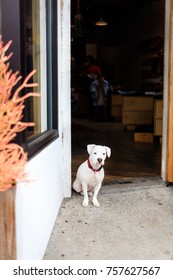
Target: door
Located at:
point(167, 145)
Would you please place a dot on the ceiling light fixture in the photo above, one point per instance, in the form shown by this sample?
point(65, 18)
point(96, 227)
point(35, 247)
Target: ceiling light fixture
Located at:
point(101, 22)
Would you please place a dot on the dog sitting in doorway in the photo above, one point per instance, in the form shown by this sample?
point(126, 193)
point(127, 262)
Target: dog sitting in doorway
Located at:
point(90, 173)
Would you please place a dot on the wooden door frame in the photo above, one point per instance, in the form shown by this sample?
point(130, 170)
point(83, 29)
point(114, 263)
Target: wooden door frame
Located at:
point(167, 142)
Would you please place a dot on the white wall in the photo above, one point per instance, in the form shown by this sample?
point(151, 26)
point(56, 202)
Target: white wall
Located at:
point(64, 99)
point(38, 202)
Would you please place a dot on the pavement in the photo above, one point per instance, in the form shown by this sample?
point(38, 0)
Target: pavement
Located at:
point(134, 221)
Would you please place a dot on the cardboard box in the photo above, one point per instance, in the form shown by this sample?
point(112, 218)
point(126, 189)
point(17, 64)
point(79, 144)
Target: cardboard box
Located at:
point(158, 109)
point(116, 111)
point(135, 118)
point(131, 127)
point(117, 100)
point(158, 126)
point(138, 103)
point(143, 137)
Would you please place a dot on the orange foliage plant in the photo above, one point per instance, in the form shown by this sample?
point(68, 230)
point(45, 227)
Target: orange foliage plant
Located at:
point(12, 156)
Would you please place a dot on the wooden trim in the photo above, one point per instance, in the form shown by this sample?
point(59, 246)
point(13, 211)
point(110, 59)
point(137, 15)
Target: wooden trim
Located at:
point(7, 225)
point(170, 98)
point(167, 87)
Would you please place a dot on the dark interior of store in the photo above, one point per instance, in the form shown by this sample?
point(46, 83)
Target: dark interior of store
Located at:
point(125, 39)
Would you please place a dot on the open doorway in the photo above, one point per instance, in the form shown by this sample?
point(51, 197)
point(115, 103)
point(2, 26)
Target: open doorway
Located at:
point(129, 51)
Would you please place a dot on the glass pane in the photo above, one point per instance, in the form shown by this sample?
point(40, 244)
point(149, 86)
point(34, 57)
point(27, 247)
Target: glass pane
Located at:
point(35, 58)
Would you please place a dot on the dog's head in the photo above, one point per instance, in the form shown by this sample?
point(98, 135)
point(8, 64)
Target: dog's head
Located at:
point(98, 154)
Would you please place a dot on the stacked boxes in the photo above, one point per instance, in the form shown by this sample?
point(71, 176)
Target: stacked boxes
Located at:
point(158, 117)
point(137, 110)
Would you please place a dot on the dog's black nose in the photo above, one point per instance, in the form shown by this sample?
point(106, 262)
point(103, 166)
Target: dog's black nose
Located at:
point(99, 160)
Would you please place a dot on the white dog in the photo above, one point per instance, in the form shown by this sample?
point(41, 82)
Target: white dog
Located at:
point(90, 173)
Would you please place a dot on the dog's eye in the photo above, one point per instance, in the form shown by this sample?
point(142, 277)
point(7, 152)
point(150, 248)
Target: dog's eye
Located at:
point(95, 153)
point(103, 154)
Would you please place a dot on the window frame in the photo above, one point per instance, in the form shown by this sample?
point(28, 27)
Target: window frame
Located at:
point(39, 142)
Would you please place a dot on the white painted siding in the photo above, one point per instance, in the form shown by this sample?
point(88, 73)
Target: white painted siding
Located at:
point(38, 202)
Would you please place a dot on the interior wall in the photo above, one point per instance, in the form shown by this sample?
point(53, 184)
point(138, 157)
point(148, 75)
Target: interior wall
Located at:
point(123, 60)
point(145, 24)
point(110, 57)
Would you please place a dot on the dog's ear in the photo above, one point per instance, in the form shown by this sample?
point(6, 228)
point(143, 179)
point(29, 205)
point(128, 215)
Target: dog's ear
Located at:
point(90, 147)
point(108, 151)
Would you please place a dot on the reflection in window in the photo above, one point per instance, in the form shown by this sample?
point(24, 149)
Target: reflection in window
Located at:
point(35, 57)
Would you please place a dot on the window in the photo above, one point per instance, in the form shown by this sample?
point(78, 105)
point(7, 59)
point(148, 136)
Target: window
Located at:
point(39, 51)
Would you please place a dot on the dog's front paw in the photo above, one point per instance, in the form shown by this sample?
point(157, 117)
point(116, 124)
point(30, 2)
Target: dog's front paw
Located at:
point(85, 203)
point(96, 203)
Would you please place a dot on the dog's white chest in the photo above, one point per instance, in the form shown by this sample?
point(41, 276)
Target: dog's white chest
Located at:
point(95, 178)
point(88, 175)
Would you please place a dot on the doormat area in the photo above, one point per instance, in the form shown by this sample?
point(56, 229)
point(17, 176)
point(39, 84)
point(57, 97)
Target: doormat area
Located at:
point(134, 181)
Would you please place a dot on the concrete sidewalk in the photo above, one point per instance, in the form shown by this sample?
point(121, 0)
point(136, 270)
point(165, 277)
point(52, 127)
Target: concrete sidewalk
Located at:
point(135, 221)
